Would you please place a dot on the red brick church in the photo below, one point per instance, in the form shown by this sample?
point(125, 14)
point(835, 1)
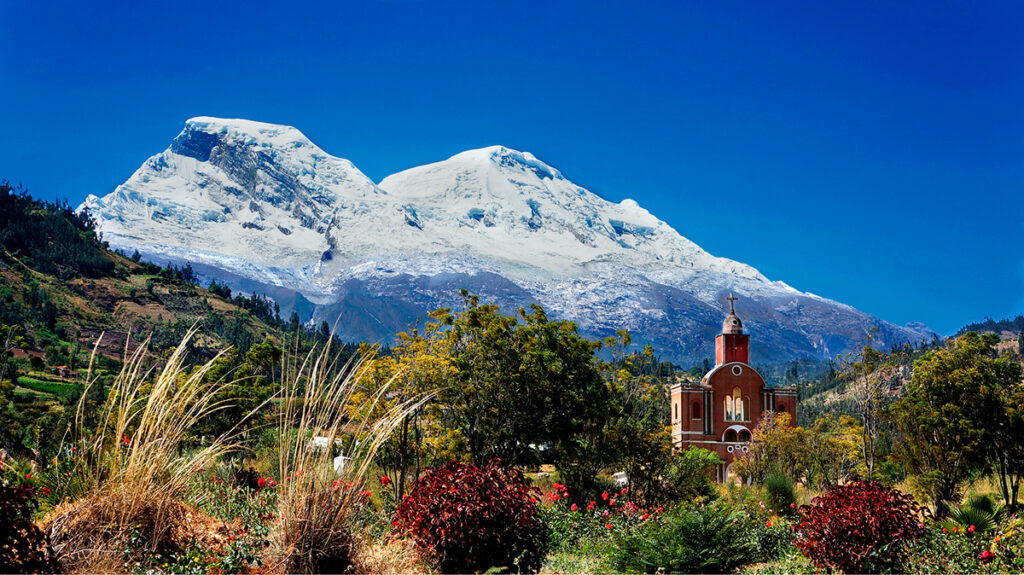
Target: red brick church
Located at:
point(721, 411)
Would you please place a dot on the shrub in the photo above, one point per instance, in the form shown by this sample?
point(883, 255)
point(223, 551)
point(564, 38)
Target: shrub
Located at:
point(708, 539)
point(130, 471)
point(23, 547)
point(780, 493)
point(473, 519)
point(316, 505)
point(859, 527)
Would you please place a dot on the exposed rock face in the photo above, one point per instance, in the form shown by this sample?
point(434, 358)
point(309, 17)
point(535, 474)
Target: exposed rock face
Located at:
point(264, 209)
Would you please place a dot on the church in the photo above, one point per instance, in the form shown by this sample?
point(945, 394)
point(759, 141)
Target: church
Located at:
point(720, 412)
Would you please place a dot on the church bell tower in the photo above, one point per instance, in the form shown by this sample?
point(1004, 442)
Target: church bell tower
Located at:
point(732, 344)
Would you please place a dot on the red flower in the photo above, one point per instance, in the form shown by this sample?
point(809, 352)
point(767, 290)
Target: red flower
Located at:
point(944, 530)
point(574, 508)
point(272, 483)
point(769, 524)
point(261, 482)
point(644, 517)
point(624, 491)
point(609, 526)
point(385, 481)
point(971, 529)
point(28, 476)
point(792, 505)
point(612, 503)
point(604, 496)
point(565, 494)
point(986, 557)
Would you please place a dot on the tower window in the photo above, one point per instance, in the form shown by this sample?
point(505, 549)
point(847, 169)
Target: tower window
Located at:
point(730, 435)
point(736, 407)
point(695, 410)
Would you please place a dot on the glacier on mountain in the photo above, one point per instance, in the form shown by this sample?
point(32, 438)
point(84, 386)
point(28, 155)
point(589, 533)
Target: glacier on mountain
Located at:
point(262, 207)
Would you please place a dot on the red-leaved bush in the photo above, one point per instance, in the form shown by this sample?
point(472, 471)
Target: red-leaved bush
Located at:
point(23, 547)
point(470, 519)
point(859, 527)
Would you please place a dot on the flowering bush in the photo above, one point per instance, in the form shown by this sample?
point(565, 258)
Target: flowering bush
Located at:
point(471, 519)
point(570, 523)
point(23, 547)
point(859, 527)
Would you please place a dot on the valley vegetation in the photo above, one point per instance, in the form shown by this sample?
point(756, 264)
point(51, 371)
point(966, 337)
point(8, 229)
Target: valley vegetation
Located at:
point(214, 436)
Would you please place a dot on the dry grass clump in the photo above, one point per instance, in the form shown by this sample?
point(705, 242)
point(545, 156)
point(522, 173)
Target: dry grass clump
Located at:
point(386, 556)
point(132, 468)
point(315, 503)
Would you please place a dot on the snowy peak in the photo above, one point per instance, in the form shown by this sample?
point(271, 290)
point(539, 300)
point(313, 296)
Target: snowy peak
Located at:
point(261, 207)
point(511, 206)
point(236, 193)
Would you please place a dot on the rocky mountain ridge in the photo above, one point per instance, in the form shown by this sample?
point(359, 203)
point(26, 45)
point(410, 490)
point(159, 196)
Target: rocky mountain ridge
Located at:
point(261, 207)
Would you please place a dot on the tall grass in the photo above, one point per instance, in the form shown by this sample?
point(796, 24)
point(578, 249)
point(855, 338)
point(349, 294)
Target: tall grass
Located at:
point(132, 470)
point(315, 503)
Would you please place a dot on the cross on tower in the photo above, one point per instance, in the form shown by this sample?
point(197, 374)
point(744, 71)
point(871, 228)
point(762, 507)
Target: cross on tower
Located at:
point(732, 308)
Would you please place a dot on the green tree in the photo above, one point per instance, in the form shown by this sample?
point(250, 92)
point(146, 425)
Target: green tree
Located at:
point(520, 381)
point(947, 413)
point(253, 379)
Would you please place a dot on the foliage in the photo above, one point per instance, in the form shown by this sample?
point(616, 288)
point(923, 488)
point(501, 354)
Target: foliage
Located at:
point(519, 381)
point(781, 493)
point(475, 518)
point(23, 547)
point(979, 514)
point(50, 237)
point(512, 387)
point(316, 501)
point(858, 527)
point(130, 467)
point(954, 420)
point(687, 476)
point(711, 538)
point(826, 453)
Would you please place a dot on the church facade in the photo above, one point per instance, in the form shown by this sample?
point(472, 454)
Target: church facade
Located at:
point(720, 413)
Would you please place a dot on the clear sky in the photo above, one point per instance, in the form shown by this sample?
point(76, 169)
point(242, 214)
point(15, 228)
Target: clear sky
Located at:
point(872, 153)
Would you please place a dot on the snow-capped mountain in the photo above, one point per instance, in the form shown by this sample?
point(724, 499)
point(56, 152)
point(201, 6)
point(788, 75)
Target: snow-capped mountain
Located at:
point(264, 209)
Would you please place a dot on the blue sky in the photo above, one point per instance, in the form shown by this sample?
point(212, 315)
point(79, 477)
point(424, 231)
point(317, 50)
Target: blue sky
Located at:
point(868, 152)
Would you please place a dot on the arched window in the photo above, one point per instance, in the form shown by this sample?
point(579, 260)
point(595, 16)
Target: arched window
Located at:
point(730, 435)
point(746, 409)
point(695, 410)
point(744, 435)
point(782, 409)
point(728, 409)
point(737, 405)
point(675, 407)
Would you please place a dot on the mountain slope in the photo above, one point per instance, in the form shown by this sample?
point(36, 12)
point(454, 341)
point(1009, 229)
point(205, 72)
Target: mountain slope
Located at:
point(261, 207)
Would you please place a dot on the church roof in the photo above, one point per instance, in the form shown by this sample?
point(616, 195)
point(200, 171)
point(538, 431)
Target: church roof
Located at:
point(732, 323)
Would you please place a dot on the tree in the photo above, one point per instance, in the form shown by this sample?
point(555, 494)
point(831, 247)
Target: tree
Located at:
point(871, 390)
point(947, 414)
point(775, 447)
point(1006, 452)
point(499, 386)
point(520, 381)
